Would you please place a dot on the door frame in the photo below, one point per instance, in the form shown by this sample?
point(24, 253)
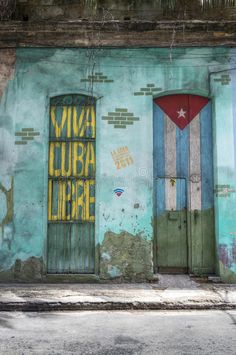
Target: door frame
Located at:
point(207, 94)
point(68, 277)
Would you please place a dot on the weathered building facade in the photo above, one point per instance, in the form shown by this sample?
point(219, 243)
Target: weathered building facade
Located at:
point(117, 161)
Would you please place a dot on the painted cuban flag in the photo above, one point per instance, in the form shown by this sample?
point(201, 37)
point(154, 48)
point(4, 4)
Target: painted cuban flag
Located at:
point(183, 151)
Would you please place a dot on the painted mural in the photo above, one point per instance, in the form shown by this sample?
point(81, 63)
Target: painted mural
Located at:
point(124, 84)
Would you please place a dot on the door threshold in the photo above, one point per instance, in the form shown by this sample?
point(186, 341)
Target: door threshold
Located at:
point(80, 278)
point(173, 270)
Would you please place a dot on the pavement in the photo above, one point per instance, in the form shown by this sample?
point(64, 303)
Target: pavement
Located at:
point(168, 292)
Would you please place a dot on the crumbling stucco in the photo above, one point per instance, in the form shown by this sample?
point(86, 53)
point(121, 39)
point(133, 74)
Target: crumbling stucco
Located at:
point(126, 257)
point(7, 67)
point(226, 274)
point(30, 269)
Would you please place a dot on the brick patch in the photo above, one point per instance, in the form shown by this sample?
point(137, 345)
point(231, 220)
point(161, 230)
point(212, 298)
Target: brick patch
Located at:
point(149, 90)
point(26, 135)
point(120, 118)
point(97, 78)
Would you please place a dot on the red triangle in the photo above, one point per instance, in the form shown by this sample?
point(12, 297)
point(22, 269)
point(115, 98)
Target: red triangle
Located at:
point(181, 108)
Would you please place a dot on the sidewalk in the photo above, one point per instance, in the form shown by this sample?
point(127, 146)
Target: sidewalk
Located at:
point(169, 293)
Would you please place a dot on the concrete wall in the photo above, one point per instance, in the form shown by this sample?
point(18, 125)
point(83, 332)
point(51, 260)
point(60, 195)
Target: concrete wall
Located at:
point(124, 231)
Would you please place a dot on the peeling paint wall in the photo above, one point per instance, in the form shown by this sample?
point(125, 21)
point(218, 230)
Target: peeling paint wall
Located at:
point(124, 81)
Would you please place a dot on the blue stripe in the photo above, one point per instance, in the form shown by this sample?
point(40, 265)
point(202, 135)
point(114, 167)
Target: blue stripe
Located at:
point(158, 139)
point(182, 159)
point(160, 196)
point(206, 157)
point(159, 157)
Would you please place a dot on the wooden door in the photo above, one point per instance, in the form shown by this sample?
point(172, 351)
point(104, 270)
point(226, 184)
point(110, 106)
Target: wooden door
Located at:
point(71, 185)
point(182, 138)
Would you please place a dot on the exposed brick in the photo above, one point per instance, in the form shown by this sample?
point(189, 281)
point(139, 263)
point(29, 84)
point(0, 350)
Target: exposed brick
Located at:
point(27, 138)
point(113, 114)
point(150, 85)
point(119, 126)
point(121, 110)
point(33, 134)
point(20, 142)
point(21, 134)
point(127, 114)
point(27, 129)
point(145, 89)
point(138, 93)
point(148, 93)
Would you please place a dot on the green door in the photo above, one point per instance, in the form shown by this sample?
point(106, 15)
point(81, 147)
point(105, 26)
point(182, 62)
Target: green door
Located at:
point(171, 225)
point(71, 185)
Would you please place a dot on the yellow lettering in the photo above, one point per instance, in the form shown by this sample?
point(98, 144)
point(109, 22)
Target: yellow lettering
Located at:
point(52, 171)
point(78, 158)
point(86, 120)
point(80, 199)
point(59, 128)
point(90, 160)
point(51, 217)
point(92, 123)
point(90, 200)
point(65, 197)
point(65, 148)
point(78, 127)
point(72, 199)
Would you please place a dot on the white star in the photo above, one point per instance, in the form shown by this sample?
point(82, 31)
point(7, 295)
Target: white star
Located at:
point(181, 113)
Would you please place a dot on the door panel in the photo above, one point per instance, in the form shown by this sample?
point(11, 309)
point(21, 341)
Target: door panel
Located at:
point(71, 185)
point(171, 226)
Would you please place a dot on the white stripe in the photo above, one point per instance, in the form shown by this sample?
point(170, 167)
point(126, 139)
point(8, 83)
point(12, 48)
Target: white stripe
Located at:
point(170, 163)
point(195, 186)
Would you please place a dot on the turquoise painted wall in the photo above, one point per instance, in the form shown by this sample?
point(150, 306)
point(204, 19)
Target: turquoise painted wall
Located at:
point(43, 73)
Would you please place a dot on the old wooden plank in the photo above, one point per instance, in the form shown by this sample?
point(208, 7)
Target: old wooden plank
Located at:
point(116, 33)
